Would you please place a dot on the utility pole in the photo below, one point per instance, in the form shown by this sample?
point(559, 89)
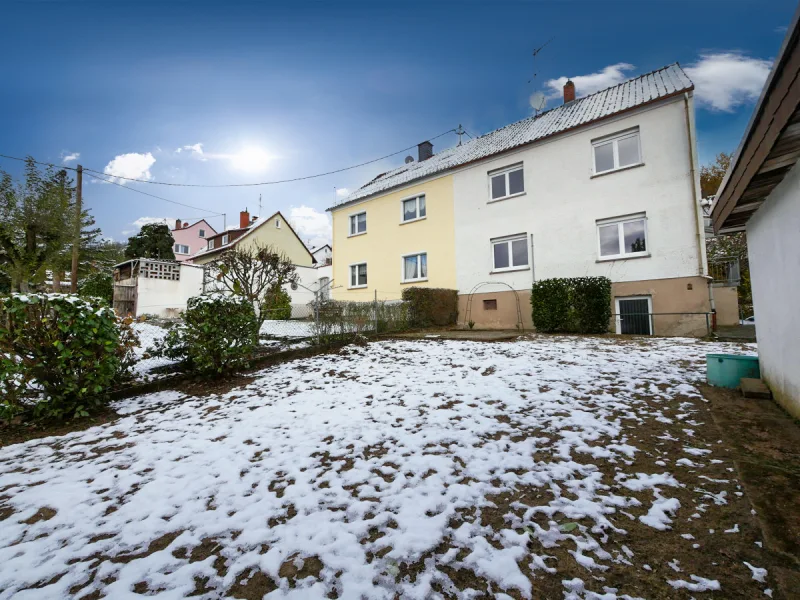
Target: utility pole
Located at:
point(76, 240)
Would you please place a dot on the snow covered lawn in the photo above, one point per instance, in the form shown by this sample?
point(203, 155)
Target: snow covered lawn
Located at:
point(543, 468)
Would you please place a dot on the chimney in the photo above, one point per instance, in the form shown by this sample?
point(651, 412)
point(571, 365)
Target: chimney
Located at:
point(244, 219)
point(177, 223)
point(569, 91)
point(425, 151)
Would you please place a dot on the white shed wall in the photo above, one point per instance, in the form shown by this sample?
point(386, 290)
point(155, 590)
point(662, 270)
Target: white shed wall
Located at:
point(773, 246)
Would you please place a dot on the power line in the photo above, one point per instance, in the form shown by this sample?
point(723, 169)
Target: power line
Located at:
point(46, 164)
point(158, 197)
point(305, 177)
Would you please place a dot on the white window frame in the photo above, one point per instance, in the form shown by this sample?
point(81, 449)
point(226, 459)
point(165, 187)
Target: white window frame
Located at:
point(505, 172)
point(619, 222)
point(177, 249)
point(277, 223)
point(618, 319)
point(210, 245)
point(350, 285)
point(416, 197)
point(507, 240)
point(353, 218)
point(225, 239)
point(403, 267)
point(201, 233)
point(614, 140)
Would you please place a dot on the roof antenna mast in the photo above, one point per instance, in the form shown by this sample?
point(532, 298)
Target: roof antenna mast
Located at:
point(536, 54)
point(459, 132)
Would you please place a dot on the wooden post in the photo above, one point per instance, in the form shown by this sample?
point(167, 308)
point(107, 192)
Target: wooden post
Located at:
point(76, 240)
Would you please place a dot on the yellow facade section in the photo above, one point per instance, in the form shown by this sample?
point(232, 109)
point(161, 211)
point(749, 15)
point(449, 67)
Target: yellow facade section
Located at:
point(387, 240)
point(280, 237)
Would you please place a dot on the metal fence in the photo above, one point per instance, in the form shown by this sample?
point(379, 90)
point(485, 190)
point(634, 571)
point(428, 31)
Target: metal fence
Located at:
point(298, 326)
point(690, 324)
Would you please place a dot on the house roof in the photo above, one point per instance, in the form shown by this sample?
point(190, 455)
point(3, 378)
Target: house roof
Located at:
point(194, 225)
point(315, 250)
point(249, 230)
point(662, 83)
point(770, 147)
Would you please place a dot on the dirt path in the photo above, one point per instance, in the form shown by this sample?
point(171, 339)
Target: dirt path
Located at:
point(765, 443)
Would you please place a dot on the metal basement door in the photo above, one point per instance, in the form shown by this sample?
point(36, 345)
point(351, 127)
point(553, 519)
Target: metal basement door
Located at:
point(634, 316)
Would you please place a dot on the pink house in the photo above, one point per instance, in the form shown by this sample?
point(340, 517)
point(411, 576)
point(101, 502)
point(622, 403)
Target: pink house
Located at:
point(190, 238)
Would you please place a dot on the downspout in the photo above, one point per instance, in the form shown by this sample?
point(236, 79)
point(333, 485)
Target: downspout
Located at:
point(696, 206)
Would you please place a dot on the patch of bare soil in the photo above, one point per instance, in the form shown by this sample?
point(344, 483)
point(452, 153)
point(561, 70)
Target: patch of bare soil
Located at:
point(766, 449)
point(15, 433)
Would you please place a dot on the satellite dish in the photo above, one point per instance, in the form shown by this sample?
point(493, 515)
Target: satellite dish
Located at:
point(538, 100)
point(294, 286)
point(409, 159)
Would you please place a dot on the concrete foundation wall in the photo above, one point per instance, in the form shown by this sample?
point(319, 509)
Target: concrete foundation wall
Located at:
point(726, 300)
point(678, 295)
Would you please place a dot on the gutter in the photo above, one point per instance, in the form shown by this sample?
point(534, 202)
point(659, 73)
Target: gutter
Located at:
point(698, 219)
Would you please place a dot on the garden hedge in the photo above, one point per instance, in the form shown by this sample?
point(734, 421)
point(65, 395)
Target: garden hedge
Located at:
point(59, 354)
point(574, 305)
point(429, 307)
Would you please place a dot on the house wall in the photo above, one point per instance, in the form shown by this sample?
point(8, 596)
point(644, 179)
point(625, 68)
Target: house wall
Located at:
point(305, 292)
point(563, 201)
point(726, 301)
point(773, 241)
point(387, 239)
point(282, 238)
point(168, 298)
point(190, 236)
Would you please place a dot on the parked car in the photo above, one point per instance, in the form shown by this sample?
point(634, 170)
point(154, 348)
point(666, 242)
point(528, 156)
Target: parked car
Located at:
point(751, 320)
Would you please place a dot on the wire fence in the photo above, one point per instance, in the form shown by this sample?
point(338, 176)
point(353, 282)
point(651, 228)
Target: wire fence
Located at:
point(691, 324)
point(297, 326)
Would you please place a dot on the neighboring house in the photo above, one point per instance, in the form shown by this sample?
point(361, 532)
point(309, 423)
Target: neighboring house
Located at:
point(155, 287)
point(725, 273)
point(602, 185)
point(190, 238)
point(276, 232)
point(323, 255)
point(761, 195)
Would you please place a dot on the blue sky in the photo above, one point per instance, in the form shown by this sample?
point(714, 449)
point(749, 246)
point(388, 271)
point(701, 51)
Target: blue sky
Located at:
point(280, 90)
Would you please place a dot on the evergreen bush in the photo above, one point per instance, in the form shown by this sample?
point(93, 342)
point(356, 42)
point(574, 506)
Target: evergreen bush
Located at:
point(216, 336)
point(59, 355)
point(277, 304)
point(574, 305)
point(98, 285)
point(430, 307)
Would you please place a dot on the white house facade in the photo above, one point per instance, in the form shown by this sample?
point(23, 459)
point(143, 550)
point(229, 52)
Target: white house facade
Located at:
point(615, 198)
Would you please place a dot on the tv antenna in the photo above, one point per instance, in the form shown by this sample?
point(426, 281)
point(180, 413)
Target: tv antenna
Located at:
point(459, 132)
point(536, 54)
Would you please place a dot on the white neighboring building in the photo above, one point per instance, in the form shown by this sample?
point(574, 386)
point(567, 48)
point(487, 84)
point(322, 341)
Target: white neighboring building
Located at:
point(761, 195)
point(155, 287)
point(323, 255)
point(606, 186)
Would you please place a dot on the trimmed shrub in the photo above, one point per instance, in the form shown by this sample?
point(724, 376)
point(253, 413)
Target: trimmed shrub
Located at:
point(97, 285)
point(429, 307)
point(59, 354)
point(277, 304)
point(345, 321)
point(216, 336)
point(575, 305)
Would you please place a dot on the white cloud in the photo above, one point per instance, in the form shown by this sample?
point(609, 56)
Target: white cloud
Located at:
point(68, 157)
point(726, 80)
point(593, 82)
point(313, 226)
point(132, 165)
point(342, 192)
point(142, 221)
point(196, 150)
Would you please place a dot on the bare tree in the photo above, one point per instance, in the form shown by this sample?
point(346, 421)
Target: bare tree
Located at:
point(253, 273)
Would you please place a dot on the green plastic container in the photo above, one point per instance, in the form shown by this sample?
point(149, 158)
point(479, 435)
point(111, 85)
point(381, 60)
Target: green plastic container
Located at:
point(725, 370)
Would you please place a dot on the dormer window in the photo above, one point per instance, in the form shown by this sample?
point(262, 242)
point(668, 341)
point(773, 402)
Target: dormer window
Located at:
point(225, 239)
point(210, 244)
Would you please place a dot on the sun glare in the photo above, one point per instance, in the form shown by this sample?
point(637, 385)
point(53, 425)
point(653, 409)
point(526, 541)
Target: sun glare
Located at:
point(251, 159)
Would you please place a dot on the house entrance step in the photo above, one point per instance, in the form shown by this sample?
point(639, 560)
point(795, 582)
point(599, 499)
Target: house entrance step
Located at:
point(754, 388)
